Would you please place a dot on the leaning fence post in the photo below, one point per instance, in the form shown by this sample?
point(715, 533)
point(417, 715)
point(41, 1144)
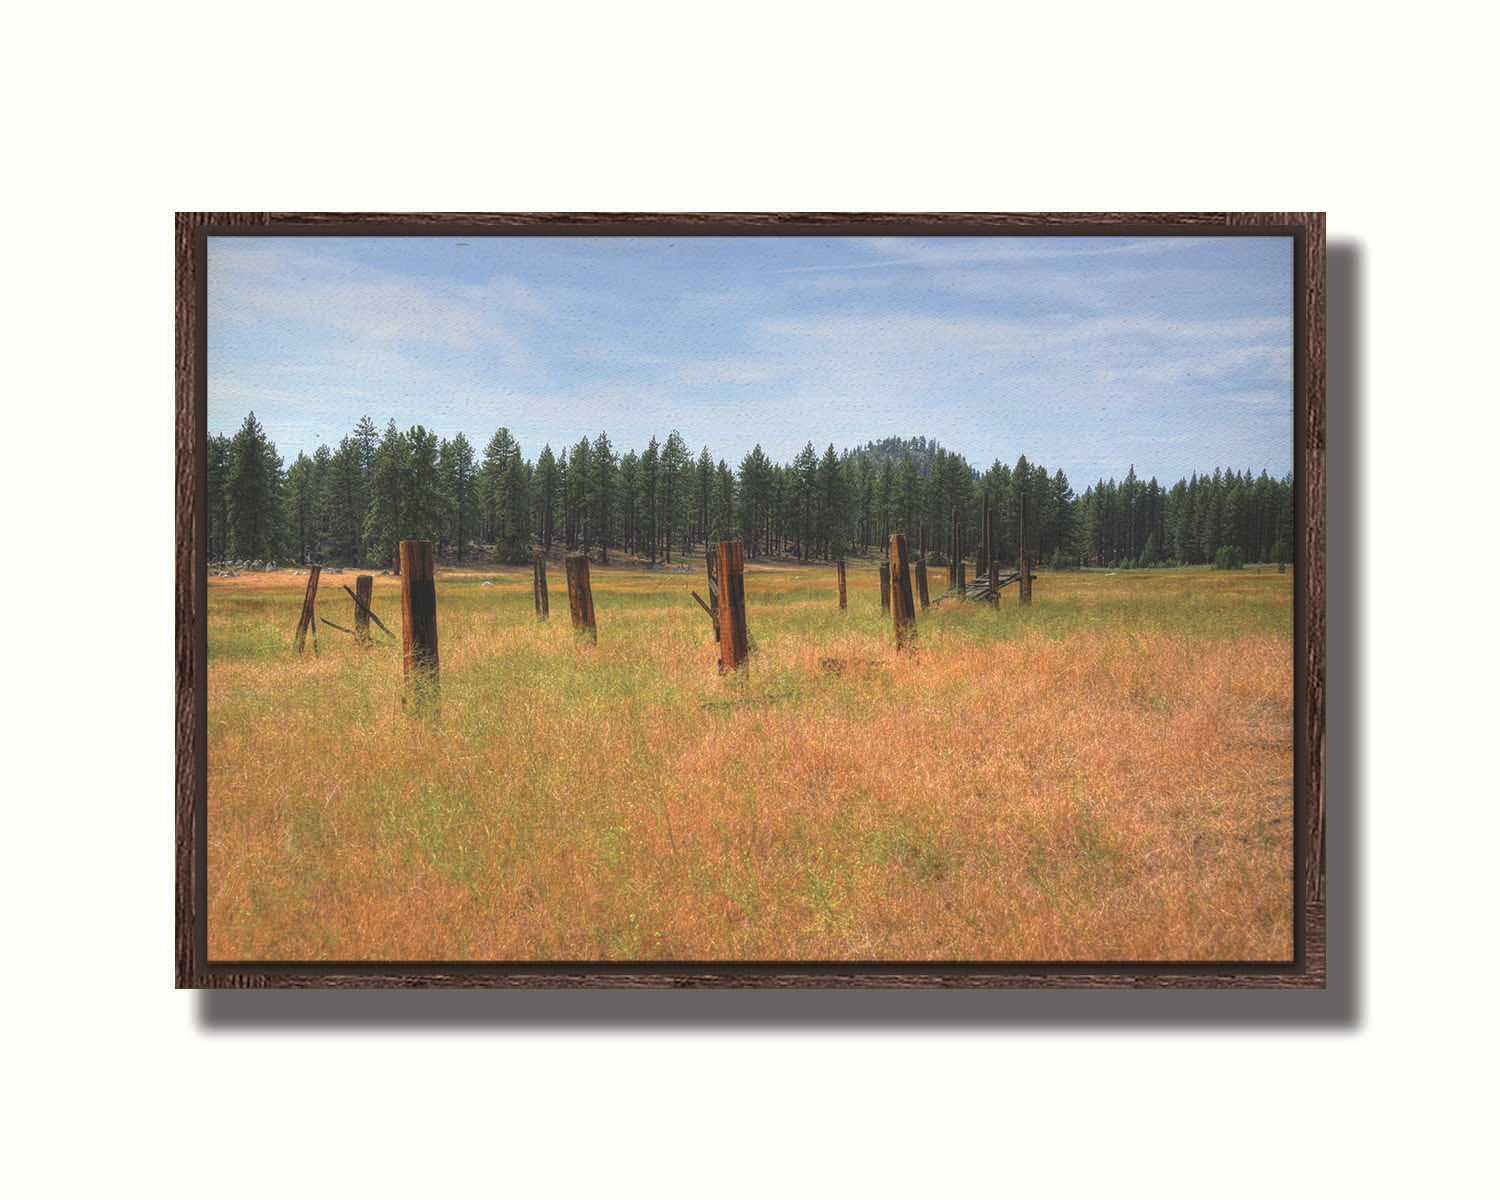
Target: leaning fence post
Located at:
point(307, 611)
point(734, 639)
point(885, 587)
point(919, 569)
point(843, 593)
point(581, 596)
point(539, 586)
point(903, 611)
point(419, 636)
point(364, 591)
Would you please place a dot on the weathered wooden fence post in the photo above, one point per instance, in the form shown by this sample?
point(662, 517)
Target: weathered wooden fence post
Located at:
point(885, 587)
point(843, 592)
point(539, 586)
point(419, 635)
point(734, 637)
point(962, 584)
point(307, 611)
point(581, 596)
point(920, 570)
point(364, 591)
point(1025, 556)
point(903, 611)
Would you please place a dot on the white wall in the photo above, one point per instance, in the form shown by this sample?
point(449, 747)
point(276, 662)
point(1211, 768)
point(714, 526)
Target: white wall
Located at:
point(117, 1082)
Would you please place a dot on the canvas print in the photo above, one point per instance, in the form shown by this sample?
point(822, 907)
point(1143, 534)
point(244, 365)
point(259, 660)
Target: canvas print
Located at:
point(750, 599)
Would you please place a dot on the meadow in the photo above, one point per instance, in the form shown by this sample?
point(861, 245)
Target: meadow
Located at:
point(1106, 775)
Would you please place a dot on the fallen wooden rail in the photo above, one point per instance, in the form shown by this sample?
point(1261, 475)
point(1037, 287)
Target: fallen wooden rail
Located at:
point(369, 612)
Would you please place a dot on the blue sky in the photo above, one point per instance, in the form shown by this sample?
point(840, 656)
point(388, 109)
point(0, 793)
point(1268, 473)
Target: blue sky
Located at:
point(1172, 354)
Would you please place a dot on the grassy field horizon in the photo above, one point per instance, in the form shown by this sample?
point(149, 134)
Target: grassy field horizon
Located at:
point(1105, 775)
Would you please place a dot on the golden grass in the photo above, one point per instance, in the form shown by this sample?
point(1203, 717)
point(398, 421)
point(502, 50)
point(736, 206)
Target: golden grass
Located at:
point(1105, 776)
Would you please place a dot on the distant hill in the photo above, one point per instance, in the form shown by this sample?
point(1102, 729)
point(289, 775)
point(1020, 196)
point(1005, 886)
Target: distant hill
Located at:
point(900, 451)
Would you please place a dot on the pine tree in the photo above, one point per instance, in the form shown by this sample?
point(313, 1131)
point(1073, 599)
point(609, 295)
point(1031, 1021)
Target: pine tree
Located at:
point(299, 495)
point(602, 493)
point(253, 494)
point(386, 517)
point(220, 448)
point(544, 494)
point(344, 504)
point(674, 489)
point(755, 498)
point(456, 466)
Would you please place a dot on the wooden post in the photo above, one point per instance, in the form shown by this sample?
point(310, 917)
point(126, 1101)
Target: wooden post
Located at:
point(734, 638)
point(843, 591)
point(961, 583)
point(419, 636)
point(539, 586)
point(903, 611)
point(1025, 557)
point(306, 618)
point(581, 596)
point(920, 570)
point(364, 590)
point(885, 587)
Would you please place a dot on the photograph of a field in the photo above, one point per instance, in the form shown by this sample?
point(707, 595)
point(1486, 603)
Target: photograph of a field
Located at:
point(1105, 775)
point(912, 599)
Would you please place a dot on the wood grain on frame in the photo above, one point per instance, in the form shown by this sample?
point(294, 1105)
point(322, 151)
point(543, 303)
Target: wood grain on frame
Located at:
point(192, 968)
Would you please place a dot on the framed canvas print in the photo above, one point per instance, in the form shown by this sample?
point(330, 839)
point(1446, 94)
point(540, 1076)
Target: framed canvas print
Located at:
point(783, 600)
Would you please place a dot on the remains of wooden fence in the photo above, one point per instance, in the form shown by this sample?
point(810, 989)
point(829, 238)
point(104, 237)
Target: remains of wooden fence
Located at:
point(885, 587)
point(920, 571)
point(364, 588)
point(843, 591)
point(903, 611)
point(734, 638)
point(539, 586)
point(581, 596)
point(306, 619)
point(419, 635)
point(711, 606)
point(363, 605)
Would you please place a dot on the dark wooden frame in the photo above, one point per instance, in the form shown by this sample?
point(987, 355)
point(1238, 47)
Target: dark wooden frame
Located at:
point(1306, 970)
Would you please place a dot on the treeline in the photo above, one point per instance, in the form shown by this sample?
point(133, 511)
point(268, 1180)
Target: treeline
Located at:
point(353, 504)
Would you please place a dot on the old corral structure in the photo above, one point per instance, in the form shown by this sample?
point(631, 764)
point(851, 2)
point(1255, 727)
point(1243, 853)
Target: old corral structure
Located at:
point(989, 577)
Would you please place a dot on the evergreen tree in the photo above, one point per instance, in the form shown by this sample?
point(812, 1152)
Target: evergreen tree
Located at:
point(220, 448)
point(602, 498)
point(299, 495)
point(386, 519)
point(755, 499)
point(674, 489)
point(344, 504)
point(650, 477)
point(721, 519)
point(544, 494)
point(456, 467)
point(427, 510)
point(253, 494)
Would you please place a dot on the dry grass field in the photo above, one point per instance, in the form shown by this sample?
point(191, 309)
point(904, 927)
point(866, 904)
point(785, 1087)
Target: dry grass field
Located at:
point(1105, 776)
